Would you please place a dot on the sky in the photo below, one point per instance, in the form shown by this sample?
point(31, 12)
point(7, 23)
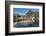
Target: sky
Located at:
point(23, 11)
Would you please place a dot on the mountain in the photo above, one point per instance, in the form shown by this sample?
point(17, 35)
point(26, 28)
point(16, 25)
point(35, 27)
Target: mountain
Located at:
point(32, 13)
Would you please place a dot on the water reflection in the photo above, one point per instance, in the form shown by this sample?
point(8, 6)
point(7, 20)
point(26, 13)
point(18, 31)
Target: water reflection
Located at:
point(20, 25)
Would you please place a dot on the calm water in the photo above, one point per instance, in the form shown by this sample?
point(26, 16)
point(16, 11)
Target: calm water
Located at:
point(20, 25)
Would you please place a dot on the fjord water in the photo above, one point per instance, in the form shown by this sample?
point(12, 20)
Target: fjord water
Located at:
point(22, 25)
